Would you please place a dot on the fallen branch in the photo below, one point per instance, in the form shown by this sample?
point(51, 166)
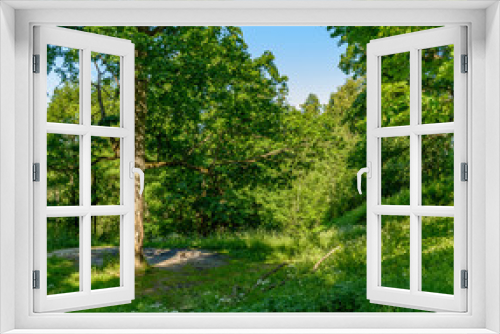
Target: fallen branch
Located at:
point(276, 285)
point(263, 277)
point(266, 275)
point(316, 266)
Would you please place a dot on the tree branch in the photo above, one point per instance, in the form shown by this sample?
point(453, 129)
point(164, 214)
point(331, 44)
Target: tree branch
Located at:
point(99, 93)
point(202, 170)
point(117, 156)
point(199, 144)
point(254, 159)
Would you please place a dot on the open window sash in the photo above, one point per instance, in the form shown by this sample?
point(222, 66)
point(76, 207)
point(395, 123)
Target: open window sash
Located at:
point(83, 45)
point(414, 297)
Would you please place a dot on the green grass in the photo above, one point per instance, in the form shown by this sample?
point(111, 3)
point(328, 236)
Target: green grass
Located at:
point(437, 255)
point(107, 275)
point(62, 275)
point(339, 285)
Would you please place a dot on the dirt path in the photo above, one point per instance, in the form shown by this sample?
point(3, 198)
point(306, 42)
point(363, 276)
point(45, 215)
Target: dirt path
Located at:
point(176, 258)
point(169, 259)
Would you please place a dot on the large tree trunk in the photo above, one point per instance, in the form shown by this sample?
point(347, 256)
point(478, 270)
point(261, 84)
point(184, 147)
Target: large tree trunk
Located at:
point(141, 109)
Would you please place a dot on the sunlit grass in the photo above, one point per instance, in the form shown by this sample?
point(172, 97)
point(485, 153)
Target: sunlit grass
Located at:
point(338, 284)
point(107, 275)
point(62, 275)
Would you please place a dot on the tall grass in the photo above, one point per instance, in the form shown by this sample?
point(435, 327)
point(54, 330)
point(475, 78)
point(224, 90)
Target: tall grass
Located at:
point(338, 284)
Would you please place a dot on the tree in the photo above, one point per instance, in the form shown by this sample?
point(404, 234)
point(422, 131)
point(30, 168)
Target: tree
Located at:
point(312, 105)
point(353, 60)
point(341, 101)
point(204, 109)
point(437, 105)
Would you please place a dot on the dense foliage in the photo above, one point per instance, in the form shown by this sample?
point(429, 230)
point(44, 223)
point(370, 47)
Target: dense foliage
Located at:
point(225, 154)
point(222, 148)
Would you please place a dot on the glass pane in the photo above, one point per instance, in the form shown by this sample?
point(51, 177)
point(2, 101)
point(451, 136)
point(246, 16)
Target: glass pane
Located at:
point(396, 171)
point(396, 252)
point(395, 93)
point(437, 254)
point(63, 170)
point(105, 171)
point(437, 84)
point(437, 169)
point(63, 255)
point(105, 252)
point(63, 84)
point(105, 76)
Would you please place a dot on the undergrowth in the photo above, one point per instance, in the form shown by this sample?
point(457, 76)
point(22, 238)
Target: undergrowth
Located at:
point(274, 272)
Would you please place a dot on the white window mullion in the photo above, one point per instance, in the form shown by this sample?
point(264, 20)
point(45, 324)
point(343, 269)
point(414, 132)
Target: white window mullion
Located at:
point(122, 253)
point(80, 211)
point(80, 130)
point(86, 162)
point(416, 119)
point(108, 210)
point(419, 129)
point(55, 126)
point(406, 210)
point(414, 171)
point(102, 131)
point(392, 210)
point(86, 167)
point(434, 211)
point(86, 255)
point(69, 129)
point(393, 131)
point(433, 129)
point(81, 263)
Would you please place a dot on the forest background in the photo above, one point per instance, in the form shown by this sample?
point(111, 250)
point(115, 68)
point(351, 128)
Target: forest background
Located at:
point(231, 167)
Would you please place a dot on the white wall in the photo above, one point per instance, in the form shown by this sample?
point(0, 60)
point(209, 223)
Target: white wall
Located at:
point(492, 167)
point(339, 17)
point(7, 159)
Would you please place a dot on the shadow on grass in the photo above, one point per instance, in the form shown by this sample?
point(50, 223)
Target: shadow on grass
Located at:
point(63, 274)
point(243, 284)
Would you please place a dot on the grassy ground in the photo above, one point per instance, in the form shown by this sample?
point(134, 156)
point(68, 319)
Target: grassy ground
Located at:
point(273, 272)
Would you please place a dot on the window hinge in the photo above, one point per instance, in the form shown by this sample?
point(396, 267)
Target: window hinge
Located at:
point(465, 279)
point(36, 172)
point(36, 63)
point(464, 172)
point(36, 279)
point(465, 63)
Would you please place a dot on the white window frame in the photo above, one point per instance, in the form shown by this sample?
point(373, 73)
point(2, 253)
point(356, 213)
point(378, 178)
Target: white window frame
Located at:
point(85, 43)
point(414, 43)
point(17, 19)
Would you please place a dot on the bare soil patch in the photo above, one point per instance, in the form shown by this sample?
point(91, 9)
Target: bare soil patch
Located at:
point(176, 258)
point(170, 259)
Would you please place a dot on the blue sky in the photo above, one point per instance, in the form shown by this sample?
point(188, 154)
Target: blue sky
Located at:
point(307, 55)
